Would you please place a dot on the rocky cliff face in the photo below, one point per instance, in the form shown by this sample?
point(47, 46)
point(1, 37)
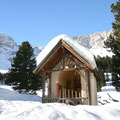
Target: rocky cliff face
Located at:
point(95, 42)
point(8, 48)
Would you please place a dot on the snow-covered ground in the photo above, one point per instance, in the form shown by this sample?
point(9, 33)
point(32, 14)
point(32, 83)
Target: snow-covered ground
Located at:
point(15, 106)
point(3, 71)
point(101, 51)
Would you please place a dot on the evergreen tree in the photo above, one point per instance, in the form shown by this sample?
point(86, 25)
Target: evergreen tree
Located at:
point(104, 65)
point(113, 42)
point(100, 82)
point(21, 75)
point(1, 76)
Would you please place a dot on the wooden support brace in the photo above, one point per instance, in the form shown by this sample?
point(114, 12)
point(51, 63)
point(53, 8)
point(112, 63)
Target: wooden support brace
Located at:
point(43, 89)
point(57, 88)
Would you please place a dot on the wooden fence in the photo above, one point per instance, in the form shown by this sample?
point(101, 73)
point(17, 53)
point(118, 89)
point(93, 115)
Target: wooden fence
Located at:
point(67, 96)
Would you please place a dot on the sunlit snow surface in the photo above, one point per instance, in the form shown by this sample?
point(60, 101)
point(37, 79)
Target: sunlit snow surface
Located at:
point(3, 71)
point(101, 51)
point(15, 106)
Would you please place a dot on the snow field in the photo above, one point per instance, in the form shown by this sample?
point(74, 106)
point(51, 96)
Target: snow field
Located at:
point(15, 106)
point(21, 110)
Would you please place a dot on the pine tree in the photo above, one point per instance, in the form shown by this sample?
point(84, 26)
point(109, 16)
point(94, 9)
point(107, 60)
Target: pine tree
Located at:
point(1, 76)
point(113, 42)
point(100, 65)
point(104, 65)
point(21, 75)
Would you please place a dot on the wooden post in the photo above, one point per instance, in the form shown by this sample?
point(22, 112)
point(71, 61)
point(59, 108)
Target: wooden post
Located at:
point(75, 94)
point(43, 89)
point(87, 90)
point(63, 57)
point(65, 92)
point(89, 93)
point(49, 86)
point(60, 93)
point(79, 94)
point(57, 89)
point(68, 93)
point(72, 93)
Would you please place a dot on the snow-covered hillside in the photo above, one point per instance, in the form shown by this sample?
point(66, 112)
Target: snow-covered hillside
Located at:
point(95, 42)
point(8, 48)
point(37, 50)
point(15, 106)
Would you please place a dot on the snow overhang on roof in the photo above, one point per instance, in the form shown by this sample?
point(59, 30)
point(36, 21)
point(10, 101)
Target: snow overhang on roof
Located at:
point(77, 47)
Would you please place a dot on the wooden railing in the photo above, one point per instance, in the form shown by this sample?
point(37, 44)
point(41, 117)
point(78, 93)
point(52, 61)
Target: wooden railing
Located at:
point(68, 96)
point(71, 101)
point(63, 92)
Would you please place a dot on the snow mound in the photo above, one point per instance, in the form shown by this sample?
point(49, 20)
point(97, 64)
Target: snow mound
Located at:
point(38, 111)
point(109, 97)
point(7, 93)
point(108, 88)
point(108, 94)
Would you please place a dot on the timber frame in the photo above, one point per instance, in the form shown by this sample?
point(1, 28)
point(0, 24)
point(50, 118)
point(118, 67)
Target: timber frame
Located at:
point(64, 58)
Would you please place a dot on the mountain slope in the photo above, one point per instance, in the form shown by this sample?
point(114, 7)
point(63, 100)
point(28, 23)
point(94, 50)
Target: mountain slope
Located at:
point(95, 42)
point(8, 48)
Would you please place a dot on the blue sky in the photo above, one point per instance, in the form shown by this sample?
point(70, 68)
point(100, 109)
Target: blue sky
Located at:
point(39, 21)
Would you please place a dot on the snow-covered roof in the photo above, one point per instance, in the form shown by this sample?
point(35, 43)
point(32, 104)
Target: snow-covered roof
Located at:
point(77, 47)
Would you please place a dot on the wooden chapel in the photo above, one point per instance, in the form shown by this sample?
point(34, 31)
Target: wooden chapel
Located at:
point(69, 71)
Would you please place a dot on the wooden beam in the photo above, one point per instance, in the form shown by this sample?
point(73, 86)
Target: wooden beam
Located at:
point(56, 61)
point(48, 59)
point(57, 89)
point(63, 57)
point(89, 87)
point(68, 69)
point(49, 85)
point(75, 61)
point(43, 89)
point(75, 54)
point(81, 74)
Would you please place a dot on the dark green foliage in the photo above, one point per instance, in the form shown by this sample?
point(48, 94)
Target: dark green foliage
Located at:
point(21, 75)
point(1, 77)
point(104, 66)
point(7, 78)
point(104, 63)
point(2, 80)
point(100, 82)
point(113, 42)
point(116, 71)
